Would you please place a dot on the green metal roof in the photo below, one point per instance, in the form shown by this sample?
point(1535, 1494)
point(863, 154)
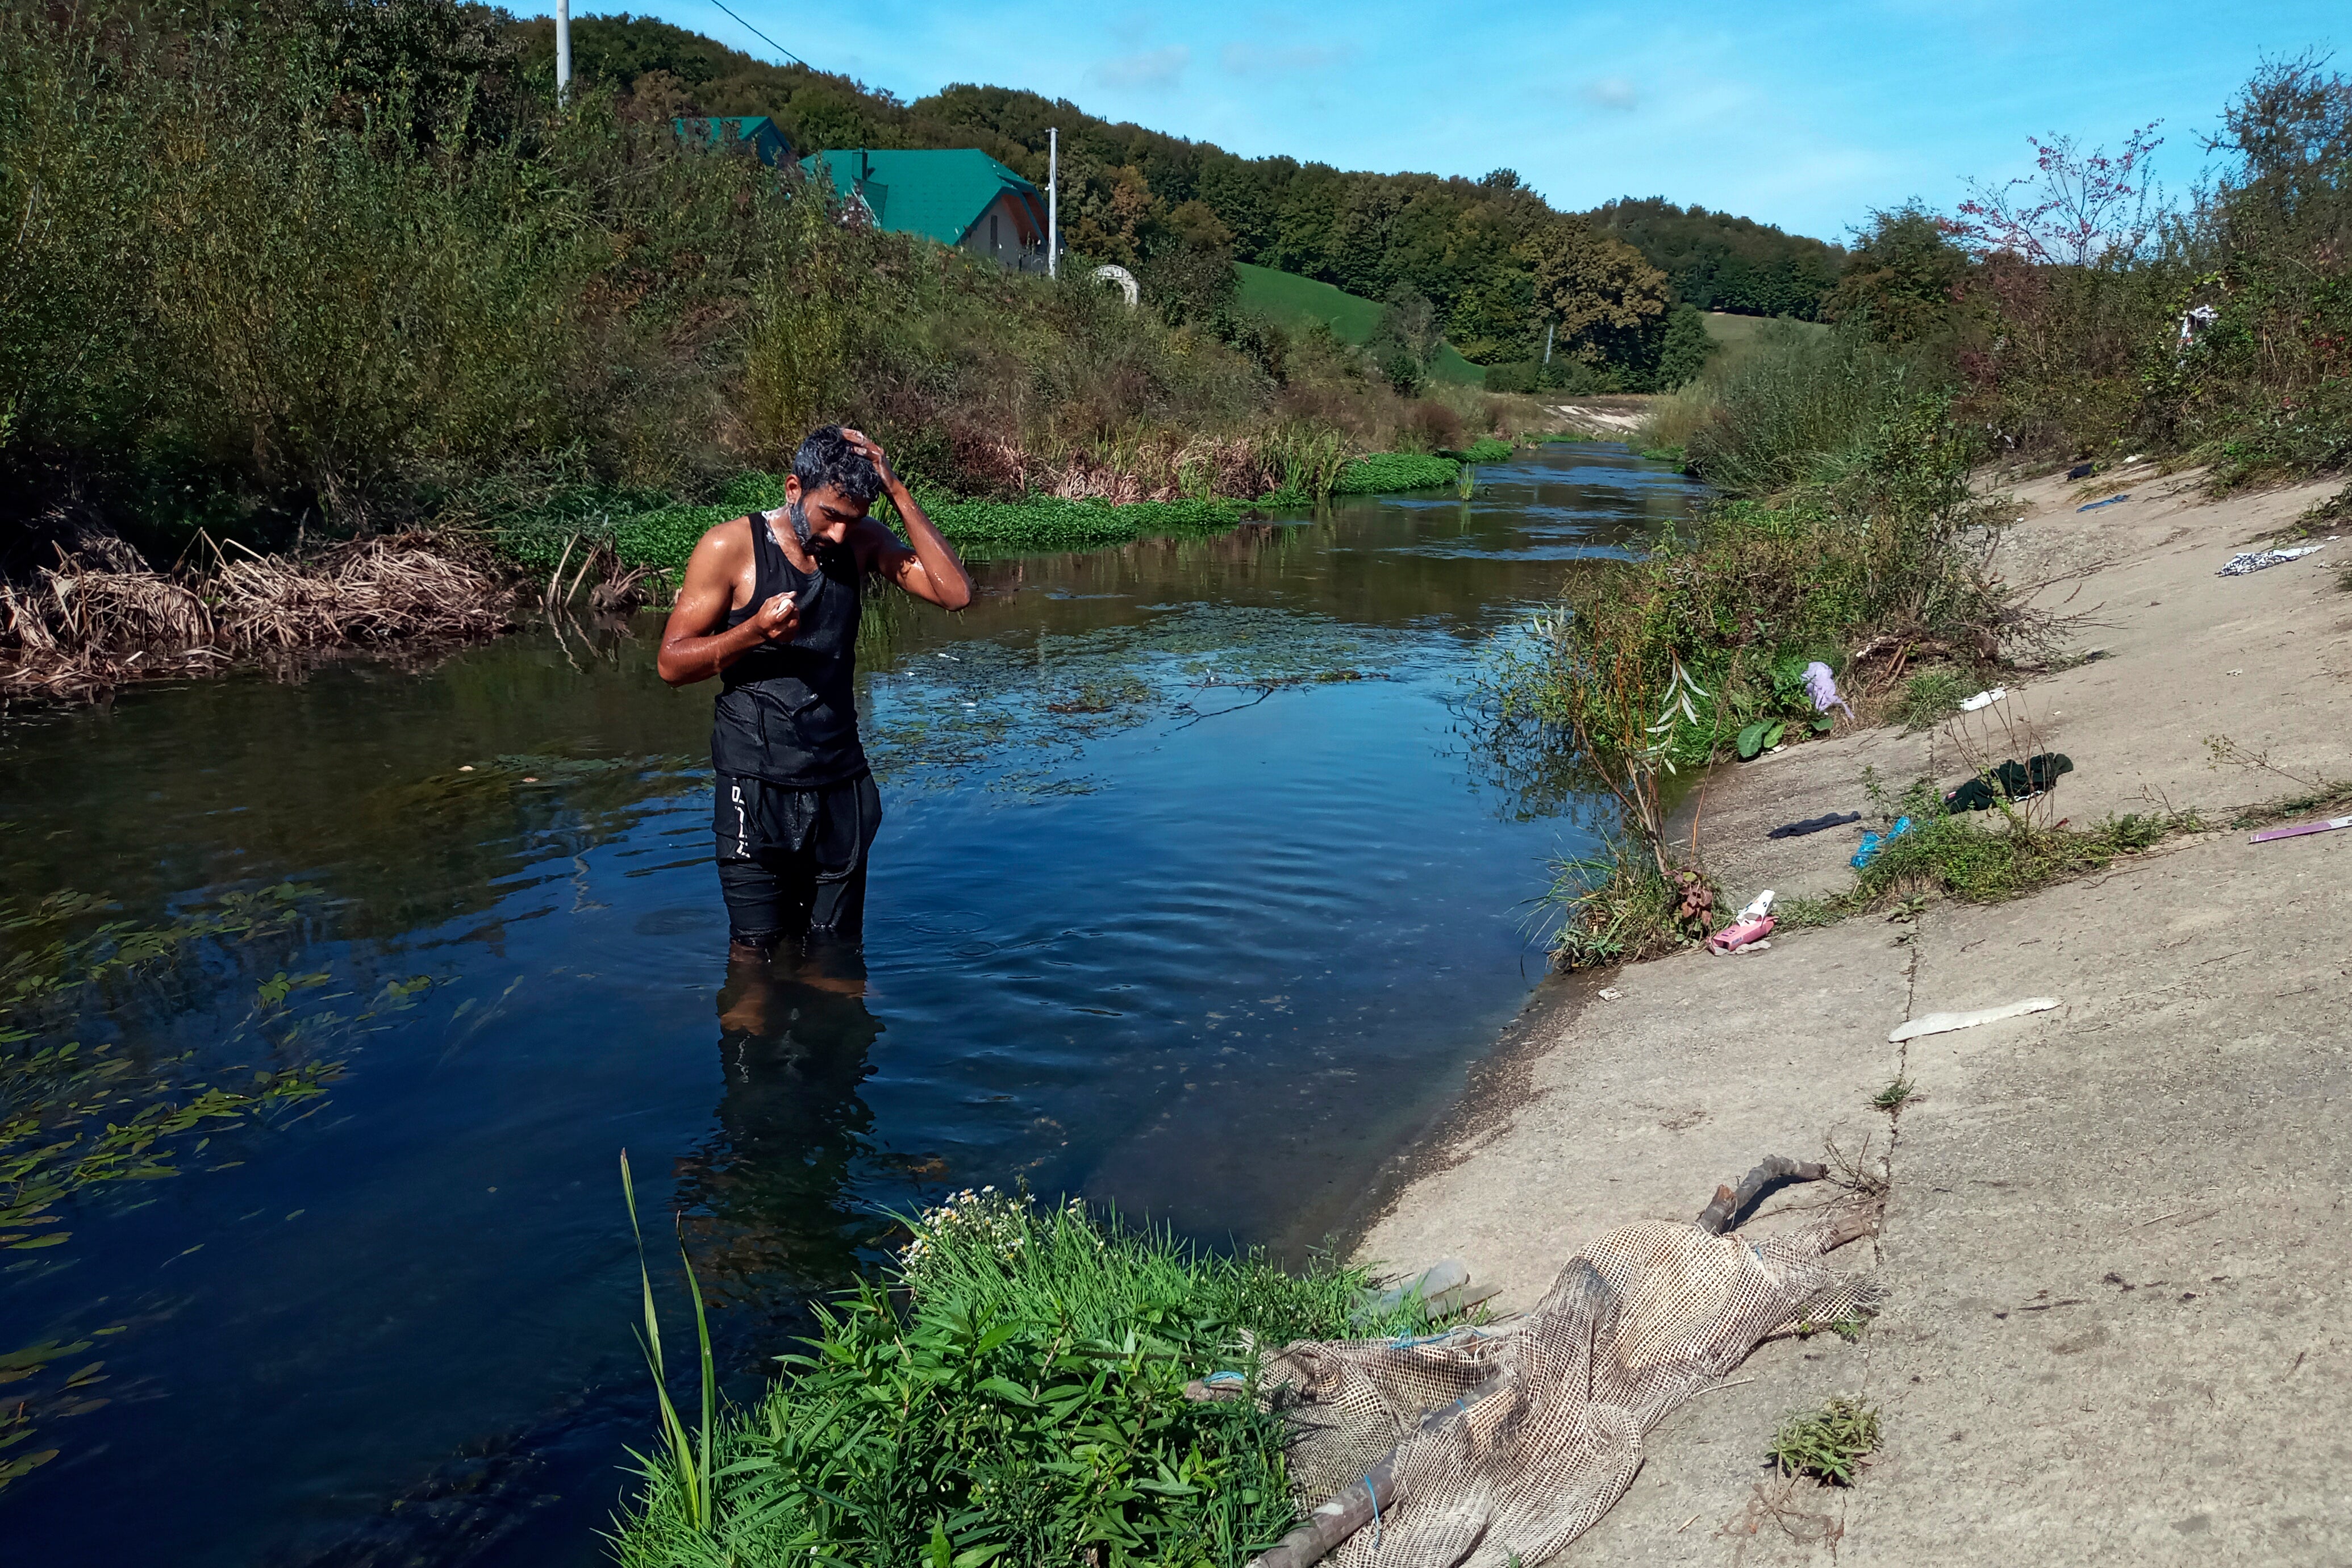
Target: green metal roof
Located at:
point(757, 132)
point(938, 194)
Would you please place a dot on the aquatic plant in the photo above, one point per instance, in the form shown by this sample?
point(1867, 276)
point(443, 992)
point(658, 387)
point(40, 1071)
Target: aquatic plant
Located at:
point(1387, 471)
point(1010, 1389)
point(78, 1117)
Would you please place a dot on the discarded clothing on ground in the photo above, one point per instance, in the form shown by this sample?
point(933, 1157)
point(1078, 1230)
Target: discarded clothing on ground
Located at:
point(2246, 561)
point(1821, 687)
point(1872, 843)
point(2082, 470)
point(2095, 505)
point(1945, 1023)
point(1503, 1443)
point(1813, 825)
point(2013, 780)
point(1983, 700)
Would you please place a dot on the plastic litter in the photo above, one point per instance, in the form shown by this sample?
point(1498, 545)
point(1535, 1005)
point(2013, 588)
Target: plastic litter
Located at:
point(1611, 993)
point(1814, 825)
point(1984, 699)
point(1872, 843)
point(1822, 686)
point(2330, 825)
point(1739, 934)
point(1439, 1292)
point(1945, 1023)
point(2111, 500)
point(2246, 561)
point(1753, 925)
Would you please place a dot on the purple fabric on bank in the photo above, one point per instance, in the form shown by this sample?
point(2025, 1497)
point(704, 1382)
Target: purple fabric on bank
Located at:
point(1822, 687)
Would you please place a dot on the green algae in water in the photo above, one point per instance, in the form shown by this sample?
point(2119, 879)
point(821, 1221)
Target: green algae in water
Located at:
point(80, 1119)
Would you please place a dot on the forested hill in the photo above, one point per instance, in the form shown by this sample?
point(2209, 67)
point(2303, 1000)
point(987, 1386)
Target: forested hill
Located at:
point(1718, 262)
point(1489, 254)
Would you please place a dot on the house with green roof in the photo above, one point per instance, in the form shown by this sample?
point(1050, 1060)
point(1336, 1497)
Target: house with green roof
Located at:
point(755, 132)
point(959, 196)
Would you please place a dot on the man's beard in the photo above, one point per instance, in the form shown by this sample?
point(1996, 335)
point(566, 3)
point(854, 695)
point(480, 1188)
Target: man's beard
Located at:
point(800, 523)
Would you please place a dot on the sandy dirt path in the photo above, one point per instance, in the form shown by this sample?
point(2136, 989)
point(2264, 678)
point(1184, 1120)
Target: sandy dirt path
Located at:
point(2117, 1239)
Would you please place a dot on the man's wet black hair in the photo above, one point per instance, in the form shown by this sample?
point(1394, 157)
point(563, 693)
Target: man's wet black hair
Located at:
point(825, 457)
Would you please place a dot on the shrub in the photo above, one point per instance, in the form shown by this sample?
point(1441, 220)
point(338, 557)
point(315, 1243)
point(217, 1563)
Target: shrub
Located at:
point(1013, 1391)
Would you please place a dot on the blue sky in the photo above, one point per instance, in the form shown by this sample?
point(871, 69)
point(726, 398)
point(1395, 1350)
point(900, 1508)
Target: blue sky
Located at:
point(1807, 117)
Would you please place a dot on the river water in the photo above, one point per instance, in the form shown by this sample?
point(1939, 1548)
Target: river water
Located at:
point(1193, 897)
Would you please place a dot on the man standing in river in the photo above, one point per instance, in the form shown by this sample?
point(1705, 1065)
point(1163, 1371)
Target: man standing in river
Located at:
point(769, 605)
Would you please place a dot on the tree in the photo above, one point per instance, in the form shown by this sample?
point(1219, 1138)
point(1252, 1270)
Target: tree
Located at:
point(1600, 295)
point(2079, 208)
point(1902, 283)
point(1684, 350)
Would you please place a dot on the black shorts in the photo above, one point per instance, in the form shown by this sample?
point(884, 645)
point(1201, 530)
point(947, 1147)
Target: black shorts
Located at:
point(792, 862)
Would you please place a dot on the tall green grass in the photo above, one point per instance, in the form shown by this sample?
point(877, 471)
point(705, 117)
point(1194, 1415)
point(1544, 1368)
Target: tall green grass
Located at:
point(1011, 1391)
point(1796, 408)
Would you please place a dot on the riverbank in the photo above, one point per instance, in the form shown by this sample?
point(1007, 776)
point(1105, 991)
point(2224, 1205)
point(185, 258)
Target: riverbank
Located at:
point(2114, 1237)
point(103, 618)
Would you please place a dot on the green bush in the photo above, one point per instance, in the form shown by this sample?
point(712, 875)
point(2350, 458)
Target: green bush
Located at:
point(1487, 449)
point(1012, 1394)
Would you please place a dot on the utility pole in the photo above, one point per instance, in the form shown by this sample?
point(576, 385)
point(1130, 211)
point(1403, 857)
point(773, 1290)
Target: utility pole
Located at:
point(1547, 327)
point(1053, 197)
point(563, 50)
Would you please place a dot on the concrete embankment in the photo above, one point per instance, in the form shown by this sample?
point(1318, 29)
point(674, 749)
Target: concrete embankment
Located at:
point(2117, 1234)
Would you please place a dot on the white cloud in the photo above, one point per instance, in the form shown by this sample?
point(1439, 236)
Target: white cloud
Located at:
point(1153, 68)
point(1270, 59)
point(1611, 92)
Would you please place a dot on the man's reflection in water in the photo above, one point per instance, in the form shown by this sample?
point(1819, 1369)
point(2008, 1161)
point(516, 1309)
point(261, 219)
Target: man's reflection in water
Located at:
point(774, 1180)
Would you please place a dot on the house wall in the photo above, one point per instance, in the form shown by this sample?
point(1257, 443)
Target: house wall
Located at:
point(1008, 233)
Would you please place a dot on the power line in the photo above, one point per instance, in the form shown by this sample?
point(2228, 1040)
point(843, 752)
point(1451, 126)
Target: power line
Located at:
point(764, 38)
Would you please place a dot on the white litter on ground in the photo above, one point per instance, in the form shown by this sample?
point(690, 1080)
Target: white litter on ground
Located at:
point(1945, 1023)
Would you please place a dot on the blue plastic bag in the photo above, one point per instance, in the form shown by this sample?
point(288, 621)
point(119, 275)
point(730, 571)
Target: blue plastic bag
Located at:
point(1872, 843)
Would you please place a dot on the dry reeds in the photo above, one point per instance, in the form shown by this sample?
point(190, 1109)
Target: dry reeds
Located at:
point(77, 630)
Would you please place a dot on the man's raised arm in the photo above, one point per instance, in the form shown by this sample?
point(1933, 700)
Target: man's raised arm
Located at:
point(931, 570)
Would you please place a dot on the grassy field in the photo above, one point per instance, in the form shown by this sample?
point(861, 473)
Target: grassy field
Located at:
point(1738, 332)
point(1293, 301)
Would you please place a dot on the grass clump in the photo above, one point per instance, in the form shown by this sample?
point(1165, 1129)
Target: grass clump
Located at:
point(1013, 1391)
point(1989, 861)
point(1829, 1444)
point(1930, 698)
point(1614, 908)
point(1898, 1093)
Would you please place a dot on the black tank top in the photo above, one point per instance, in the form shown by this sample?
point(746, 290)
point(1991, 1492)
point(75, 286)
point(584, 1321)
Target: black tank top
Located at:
point(787, 711)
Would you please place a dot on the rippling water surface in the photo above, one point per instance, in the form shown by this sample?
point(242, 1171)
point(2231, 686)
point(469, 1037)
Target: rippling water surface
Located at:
point(1192, 897)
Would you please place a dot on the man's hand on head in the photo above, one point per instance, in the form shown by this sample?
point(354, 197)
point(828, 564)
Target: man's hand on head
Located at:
point(870, 450)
